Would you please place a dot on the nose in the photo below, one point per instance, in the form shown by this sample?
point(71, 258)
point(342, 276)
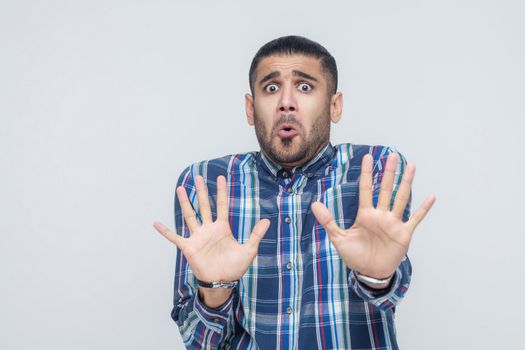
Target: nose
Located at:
point(287, 101)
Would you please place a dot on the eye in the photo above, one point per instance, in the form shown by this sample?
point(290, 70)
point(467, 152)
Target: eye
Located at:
point(271, 88)
point(304, 87)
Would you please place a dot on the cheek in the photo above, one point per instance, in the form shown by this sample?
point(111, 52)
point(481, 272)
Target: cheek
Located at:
point(264, 114)
point(265, 105)
point(313, 110)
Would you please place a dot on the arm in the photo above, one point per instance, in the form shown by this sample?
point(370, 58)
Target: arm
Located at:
point(202, 325)
point(377, 243)
point(392, 295)
point(206, 251)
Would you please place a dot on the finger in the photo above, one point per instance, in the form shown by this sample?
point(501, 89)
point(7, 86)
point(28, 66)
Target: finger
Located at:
point(365, 182)
point(387, 182)
point(222, 199)
point(170, 235)
point(420, 214)
point(202, 196)
point(403, 192)
point(258, 232)
point(187, 209)
point(322, 214)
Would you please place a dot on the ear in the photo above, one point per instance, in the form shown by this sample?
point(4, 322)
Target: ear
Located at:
point(248, 101)
point(336, 107)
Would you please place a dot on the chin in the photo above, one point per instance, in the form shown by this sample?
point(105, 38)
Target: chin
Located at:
point(297, 139)
point(291, 152)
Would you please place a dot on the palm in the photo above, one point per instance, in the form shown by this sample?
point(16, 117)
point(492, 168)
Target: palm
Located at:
point(215, 255)
point(378, 240)
point(211, 250)
point(375, 243)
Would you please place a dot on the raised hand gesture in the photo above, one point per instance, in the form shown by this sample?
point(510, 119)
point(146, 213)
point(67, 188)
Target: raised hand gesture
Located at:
point(211, 250)
point(378, 240)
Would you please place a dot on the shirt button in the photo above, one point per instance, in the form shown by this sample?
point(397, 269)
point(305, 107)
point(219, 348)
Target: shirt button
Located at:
point(290, 190)
point(289, 310)
point(285, 174)
point(289, 265)
point(287, 220)
point(216, 320)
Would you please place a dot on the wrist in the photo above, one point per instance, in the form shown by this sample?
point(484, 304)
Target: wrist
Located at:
point(374, 283)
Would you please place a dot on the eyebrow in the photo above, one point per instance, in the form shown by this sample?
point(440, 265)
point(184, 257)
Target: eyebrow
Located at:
point(276, 74)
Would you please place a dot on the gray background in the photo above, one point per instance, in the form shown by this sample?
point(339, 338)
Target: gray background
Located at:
point(103, 103)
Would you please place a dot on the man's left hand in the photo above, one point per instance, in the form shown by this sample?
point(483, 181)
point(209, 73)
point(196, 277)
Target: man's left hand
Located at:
point(378, 240)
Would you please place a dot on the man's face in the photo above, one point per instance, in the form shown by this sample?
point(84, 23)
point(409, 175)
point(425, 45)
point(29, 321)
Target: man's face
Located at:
point(291, 108)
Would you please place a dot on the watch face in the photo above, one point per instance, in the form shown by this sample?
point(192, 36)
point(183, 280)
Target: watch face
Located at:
point(225, 284)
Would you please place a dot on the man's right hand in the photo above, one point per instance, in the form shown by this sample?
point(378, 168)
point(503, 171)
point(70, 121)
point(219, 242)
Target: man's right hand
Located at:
point(211, 250)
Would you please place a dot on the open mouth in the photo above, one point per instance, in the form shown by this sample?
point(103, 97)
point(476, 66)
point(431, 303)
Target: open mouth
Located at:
point(287, 131)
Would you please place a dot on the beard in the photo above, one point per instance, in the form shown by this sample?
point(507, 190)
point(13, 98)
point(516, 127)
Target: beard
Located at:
point(291, 151)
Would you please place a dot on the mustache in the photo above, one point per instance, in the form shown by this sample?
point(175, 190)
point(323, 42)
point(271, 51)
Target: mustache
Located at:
point(287, 119)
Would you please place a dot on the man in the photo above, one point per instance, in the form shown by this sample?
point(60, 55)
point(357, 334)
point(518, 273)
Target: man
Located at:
point(301, 245)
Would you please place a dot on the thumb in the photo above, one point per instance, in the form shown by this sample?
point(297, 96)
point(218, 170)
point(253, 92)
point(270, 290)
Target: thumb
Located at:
point(258, 233)
point(179, 241)
point(322, 214)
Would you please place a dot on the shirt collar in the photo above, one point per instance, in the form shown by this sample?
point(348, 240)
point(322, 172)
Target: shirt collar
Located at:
point(317, 163)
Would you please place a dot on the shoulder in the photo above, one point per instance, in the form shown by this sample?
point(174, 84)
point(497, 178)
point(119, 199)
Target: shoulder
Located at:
point(353, 152)
point(212, 168)
point(350, 156)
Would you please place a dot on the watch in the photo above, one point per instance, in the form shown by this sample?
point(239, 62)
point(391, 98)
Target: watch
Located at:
point(374, 282)
point(220, 284)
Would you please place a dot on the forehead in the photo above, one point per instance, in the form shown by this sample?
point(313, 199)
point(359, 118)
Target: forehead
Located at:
point(286, 64)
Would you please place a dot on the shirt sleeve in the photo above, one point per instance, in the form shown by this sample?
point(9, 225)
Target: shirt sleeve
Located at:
point(201, 327)
point(391, 296)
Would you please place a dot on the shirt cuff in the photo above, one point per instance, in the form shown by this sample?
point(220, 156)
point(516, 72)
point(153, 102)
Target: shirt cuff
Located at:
point(213, 318)
point(385, 298)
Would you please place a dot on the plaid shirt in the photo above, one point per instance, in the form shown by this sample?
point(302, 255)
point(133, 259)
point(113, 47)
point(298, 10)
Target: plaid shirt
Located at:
point(298, 293)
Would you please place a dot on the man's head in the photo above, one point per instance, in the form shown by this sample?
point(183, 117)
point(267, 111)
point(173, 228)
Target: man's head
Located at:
point(294, 97)
point(297, 45)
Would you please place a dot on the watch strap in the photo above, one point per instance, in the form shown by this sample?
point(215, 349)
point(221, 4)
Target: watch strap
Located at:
point(219, 284)
point(374, 282)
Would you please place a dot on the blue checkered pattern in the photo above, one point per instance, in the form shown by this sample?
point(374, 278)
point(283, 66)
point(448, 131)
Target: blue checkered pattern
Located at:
point(298, 293)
